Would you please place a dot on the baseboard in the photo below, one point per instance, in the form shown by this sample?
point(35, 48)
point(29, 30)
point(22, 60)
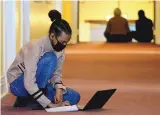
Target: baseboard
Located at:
point(4, 86)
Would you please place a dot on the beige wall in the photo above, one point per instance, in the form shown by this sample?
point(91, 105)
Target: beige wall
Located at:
point(95, 10)
point(66, 11)
point(70, 15)
point(98, 10)
point(157, 31)
point(132, 8)
point(39, 19)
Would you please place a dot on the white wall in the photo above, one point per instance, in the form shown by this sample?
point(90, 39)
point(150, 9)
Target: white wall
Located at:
point(9, 33)
point(25, 21)
point(9, 40)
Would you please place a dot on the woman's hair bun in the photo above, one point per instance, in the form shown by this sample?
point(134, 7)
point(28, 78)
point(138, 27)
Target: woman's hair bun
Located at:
point(54, 15)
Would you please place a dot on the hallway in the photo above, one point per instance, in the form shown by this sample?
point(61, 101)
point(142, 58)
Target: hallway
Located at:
point(131, 68)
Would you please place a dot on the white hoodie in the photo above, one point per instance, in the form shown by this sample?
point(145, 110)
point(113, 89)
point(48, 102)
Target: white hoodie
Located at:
point(26, 62)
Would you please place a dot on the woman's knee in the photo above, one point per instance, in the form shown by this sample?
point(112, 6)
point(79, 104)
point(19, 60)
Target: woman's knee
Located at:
point(46, 66)
point(49, 60)
point(72, 96)
point(77, 97)
point(49, 57)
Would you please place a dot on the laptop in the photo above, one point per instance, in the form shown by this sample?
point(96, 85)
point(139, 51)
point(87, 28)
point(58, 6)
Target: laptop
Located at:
point(98, 100)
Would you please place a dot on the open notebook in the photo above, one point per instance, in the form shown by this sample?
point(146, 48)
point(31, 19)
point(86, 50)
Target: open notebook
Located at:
point(96, 102)
point(63, 109)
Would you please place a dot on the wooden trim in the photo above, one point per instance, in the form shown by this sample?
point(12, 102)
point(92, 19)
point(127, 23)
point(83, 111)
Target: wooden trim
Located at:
point(154, 19)
point(78, 17)
point(104, 21)
point(154, 13)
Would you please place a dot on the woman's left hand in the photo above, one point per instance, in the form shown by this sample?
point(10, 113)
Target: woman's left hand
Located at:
point(58, 98)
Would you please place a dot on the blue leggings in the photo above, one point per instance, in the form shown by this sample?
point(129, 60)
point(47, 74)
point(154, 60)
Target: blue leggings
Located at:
point(45, 68)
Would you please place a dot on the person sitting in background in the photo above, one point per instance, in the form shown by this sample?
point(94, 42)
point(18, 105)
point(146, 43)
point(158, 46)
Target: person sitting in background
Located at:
point(117, 28)
point(144, 32)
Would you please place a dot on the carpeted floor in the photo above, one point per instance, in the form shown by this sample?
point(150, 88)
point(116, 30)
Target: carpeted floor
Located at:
point(136, 77)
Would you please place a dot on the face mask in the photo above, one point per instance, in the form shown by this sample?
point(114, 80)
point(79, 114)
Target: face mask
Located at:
point(59, 46)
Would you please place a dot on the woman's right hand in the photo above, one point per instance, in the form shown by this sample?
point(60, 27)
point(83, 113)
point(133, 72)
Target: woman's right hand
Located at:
point(65, 103)
point(51, 105)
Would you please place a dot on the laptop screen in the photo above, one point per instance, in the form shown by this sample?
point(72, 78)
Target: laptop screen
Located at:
point(132, 27)
point(99, 99)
